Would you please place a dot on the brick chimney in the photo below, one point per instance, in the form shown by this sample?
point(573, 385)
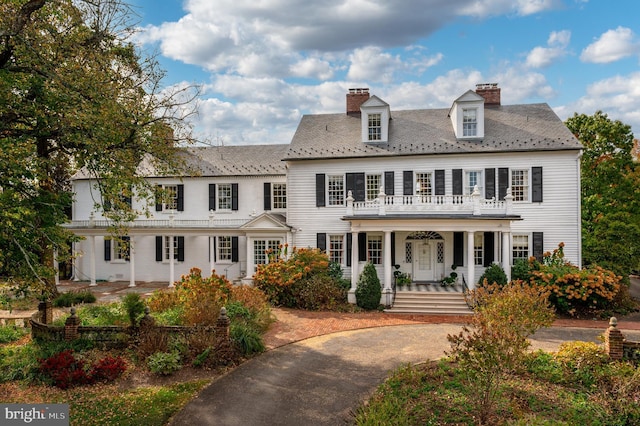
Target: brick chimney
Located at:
point(490, 92)
point(355, 98)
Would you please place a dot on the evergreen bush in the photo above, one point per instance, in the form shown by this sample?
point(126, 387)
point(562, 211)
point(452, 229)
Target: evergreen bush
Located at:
point(493, 274)
point(368, 291)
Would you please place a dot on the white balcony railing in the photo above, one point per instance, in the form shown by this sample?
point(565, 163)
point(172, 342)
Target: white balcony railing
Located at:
point(159, 223)
point(450, 204)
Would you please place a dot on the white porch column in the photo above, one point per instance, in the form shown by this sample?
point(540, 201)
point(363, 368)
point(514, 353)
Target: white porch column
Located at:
point(172, 262)
point(92, 253)
point(471, 264)
point(132, 262)
point(354, 268)
point(212, 255)
point(56, 267)
point(387, 261)
point(506, 254)
point(75, 260)
point(250, 259)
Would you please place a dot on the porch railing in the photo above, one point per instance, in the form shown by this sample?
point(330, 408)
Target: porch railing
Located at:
point(158, 223)
point(473, 204)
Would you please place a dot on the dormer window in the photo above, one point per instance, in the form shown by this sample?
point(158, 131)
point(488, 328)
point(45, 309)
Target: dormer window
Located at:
point(375, 116)
point(469, 122)
point(375, 127)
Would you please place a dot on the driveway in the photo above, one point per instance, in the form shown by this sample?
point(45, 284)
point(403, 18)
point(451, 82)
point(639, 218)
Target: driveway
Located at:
point(321, 380)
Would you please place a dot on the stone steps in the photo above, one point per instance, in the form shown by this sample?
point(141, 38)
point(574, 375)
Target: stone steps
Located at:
point(440, 303)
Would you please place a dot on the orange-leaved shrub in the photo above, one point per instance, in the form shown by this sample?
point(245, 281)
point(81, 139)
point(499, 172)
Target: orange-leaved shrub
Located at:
point(279, 278)
point(573, 290)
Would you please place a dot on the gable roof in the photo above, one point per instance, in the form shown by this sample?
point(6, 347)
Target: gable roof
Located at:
point(374, 101)
point(508, 128)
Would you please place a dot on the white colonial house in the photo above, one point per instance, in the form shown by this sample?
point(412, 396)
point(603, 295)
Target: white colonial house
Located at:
point(419, 191)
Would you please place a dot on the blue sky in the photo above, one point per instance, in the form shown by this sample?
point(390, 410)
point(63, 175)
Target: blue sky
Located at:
point(262, 64)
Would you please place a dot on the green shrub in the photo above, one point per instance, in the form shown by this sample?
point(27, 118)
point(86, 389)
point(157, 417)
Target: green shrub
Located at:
point(493, 274)
point(72, 298)
point(11, 333)
point(134, 306)
point(520, 270)
point(368, 291)
point(321, 292)
point(248, 340)
point(102, 314)
point(164, 363)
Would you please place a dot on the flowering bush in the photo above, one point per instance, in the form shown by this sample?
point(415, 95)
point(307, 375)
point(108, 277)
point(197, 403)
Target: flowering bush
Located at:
point(281, 277)
point(107, 369)
point(202, 298)
point(574, 290)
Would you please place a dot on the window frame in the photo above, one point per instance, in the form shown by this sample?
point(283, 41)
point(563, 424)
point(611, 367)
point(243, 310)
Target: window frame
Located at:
point(336, 248)
point(224, 249)
point(374, 126)
point(520, 243)
point(419, 179)
point(262, 258)
point(170, 197)
point(375, 250)
point(371, 192)
point(478, 249)
point(227, 198)
point(336, 197)
point(522, 191)
point(279, 195)
point(469, 127)
point(165, 248)
point(468, 187)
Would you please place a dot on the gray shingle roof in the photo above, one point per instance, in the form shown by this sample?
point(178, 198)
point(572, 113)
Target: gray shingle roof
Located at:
point(532, 127)
point(239, 160)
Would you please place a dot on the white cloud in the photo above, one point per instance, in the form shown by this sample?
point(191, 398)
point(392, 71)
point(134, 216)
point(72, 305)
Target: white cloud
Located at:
point(312, 68)
point(617, 96)
point(612, 46)
point(484, 8)
point(557, 43)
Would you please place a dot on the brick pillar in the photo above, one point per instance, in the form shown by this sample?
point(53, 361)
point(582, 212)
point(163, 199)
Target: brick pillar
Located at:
point(147, 321)
point(46, 312)
point(71, 326)
point(613, 340)
point(222, 325)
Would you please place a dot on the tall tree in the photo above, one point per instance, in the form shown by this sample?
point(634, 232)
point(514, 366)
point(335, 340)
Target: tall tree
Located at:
point(610, 193)
point(76, 94)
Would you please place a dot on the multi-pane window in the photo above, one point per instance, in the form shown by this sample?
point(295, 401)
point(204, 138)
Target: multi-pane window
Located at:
point(424, 184)
point(170, 197)
point(336, 245)
point(121, 248)
point(375, 127)
point(374, 249)
point(224, 248)
point(478, 251)
point(520, 185)
point(520, 247)
point(167, 247)
point(469, 122)
point(408, 252)
point(224, 196)
point(472, 179)
point(279, 195)
point(335, 190)
point(373, 186)
point(260, 249)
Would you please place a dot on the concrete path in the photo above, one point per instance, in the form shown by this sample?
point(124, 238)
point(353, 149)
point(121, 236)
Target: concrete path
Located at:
point(320, 381)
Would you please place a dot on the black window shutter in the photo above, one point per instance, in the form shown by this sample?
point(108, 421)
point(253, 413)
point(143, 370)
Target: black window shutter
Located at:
point(393, 248)
point(489, 183)
point(180, 249)
point(538, 245)
point(321, 241)
point(536, 184)
point(407, 182)
point(107, 249)
point(267, 196)
point(180, 198)
point(503, 182)
point(212, 196)
point(355, 184)
point(456, 175)
point(439, 182)
point(388, 183)
point(158, 198)
point(349, 245)
point(234, 196)
point(362, 247)
point(489, 245)
point(458, 248)
point(320, 199)
point(234, 249)
point(215, 253)
point(159, 248)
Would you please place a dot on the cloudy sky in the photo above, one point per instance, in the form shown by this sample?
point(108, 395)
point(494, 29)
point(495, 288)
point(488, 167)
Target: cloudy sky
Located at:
point(262, 64)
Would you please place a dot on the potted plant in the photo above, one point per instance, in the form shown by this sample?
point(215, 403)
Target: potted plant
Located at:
point(452, 278)
point(400, 277)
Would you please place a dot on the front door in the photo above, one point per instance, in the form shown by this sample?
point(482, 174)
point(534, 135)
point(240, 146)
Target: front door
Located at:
point(423, 260)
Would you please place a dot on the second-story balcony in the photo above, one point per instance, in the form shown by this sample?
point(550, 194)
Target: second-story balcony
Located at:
point(472, 204)
point(170, 222)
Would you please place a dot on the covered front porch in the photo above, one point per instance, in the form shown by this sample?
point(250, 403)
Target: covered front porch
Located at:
point(425, 251)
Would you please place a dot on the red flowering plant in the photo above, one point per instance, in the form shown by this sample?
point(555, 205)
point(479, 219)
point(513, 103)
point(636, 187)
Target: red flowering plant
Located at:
point(64, 370)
